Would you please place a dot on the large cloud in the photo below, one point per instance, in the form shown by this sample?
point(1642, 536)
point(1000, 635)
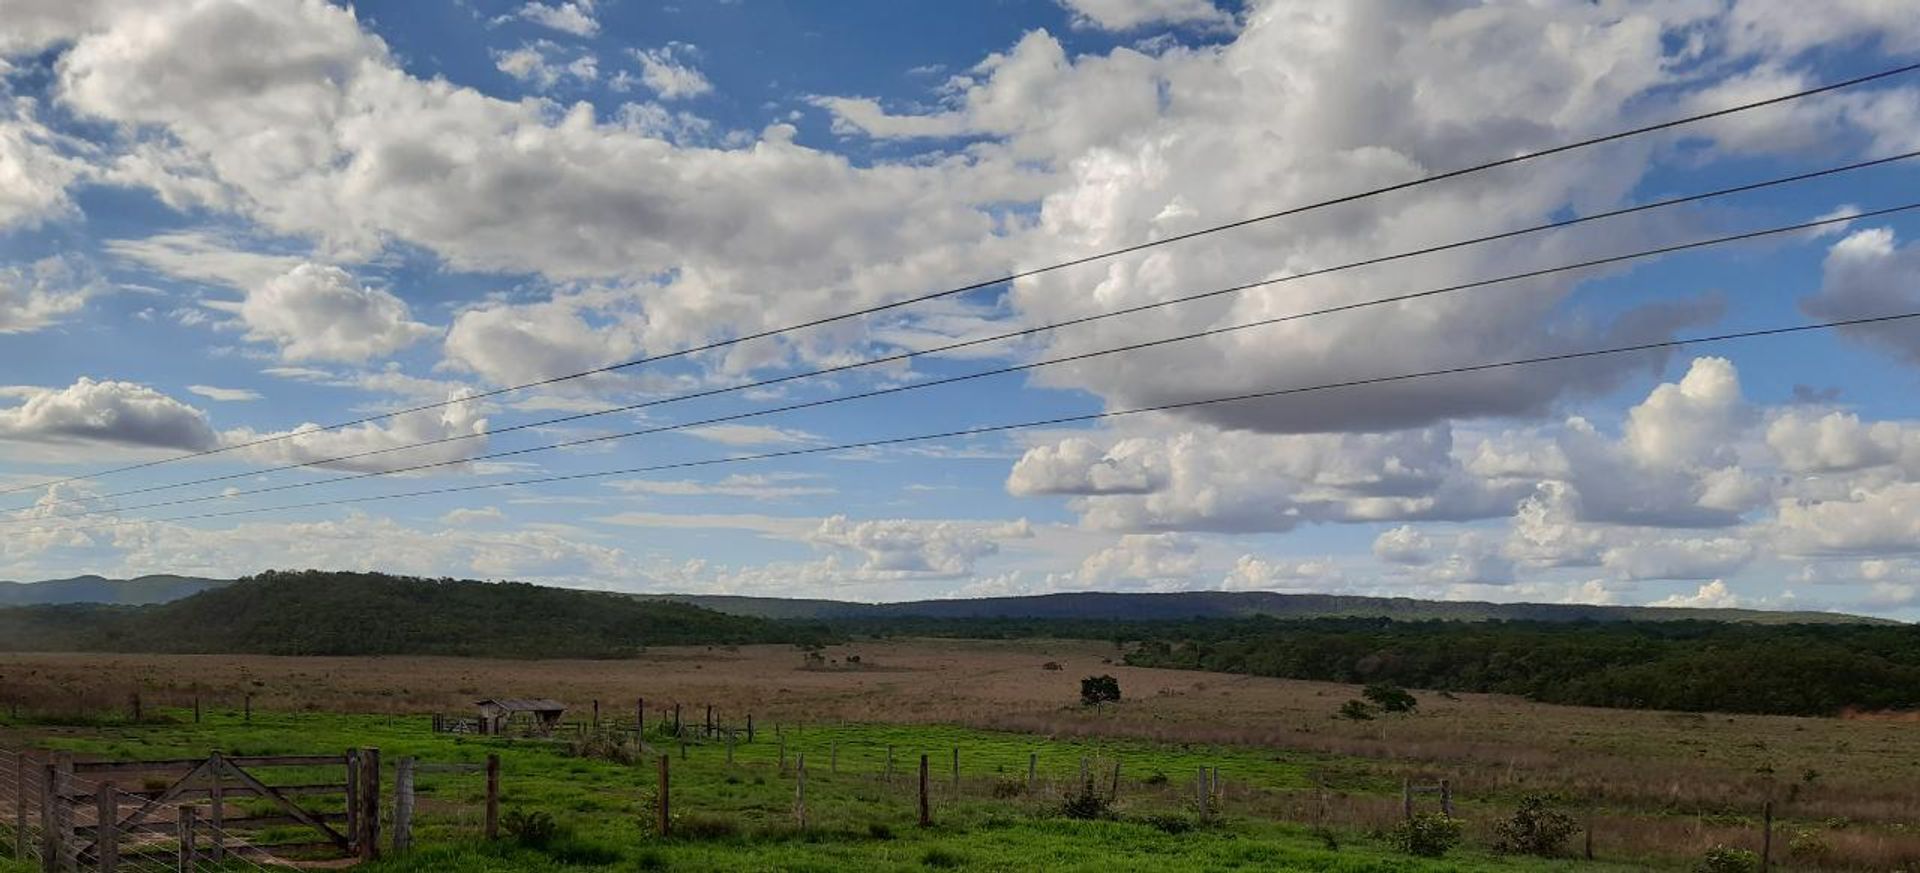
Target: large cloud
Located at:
point(108, 412)
point(320, 313)
point(1870, 274)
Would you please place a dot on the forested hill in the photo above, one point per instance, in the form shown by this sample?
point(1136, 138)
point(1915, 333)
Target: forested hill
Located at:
point(1174, 606)
point(1691, 666)
point(320, 613)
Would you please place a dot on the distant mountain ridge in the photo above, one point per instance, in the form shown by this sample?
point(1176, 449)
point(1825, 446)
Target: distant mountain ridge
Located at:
point(1100, 605)
point(139, 591)
point(1090, 605)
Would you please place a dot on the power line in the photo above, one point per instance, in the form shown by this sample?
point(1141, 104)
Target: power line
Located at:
point(1000, 371)
point(1029, 331)
point(1022, 274)
point(1027, 425)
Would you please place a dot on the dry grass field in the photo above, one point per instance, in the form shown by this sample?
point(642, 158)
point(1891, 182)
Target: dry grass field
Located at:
point(1658, 780)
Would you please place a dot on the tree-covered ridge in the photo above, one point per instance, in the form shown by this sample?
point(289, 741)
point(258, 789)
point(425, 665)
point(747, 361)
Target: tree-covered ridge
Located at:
point(329, 613)
point(1693, 666)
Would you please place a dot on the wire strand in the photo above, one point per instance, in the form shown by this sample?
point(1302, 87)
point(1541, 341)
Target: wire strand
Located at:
point(1023, 274)
point(1027, 425)
point(999, 371)
point(1024, 332)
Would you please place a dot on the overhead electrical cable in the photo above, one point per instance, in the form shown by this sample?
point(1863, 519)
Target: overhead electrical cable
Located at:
point(1028, 425)
point(1023, 274)
point(1017, 368)
point(1014, 334)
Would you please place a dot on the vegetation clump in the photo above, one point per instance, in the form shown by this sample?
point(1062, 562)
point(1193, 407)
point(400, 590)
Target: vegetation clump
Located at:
point(535, 830)
point(1390, 697)
point(1427, 835)
point(1356, 710)
point(1086, 804)
point(1095, 690)
point(1726, 859)
point(1536, 828)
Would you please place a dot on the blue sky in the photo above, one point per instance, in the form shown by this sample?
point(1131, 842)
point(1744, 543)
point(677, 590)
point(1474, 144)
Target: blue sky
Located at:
point(225, 220)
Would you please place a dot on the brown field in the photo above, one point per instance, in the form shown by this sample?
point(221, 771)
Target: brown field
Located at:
point(1661, 779)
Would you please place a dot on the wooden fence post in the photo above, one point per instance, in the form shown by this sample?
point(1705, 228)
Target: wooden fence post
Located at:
point(596, 713)
point(249, 705)
point(1589, 839)
point(1766, 837)
point(370, 808)
point(106, 833)
point(749, 727)
point(1446, 797)
point(800, 792)
point(216, 807)
point(134, 704)
point(666, 814)
point(20, 782)
point(403, 805)
point(187, 838)
point(676, 719)
point(50, 848)
point(63, 809)
point(1406, 798)
point(493, 797)
point(709, 719)
point(926, 809)
point(640, 717)
point(1113, 793)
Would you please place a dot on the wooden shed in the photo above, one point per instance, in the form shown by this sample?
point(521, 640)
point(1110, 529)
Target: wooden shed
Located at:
point(540, 715)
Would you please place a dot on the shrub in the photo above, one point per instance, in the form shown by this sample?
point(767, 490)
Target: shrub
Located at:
point(1390, 697)
point(1095, 690)
point(1809, 847)
point(531, 829)
point(1155, 778)
point(1052, 665)
point(1534, 829)
point(1356, 710)
point(1087, 803)
point(1427, 835)
point(1726, 859)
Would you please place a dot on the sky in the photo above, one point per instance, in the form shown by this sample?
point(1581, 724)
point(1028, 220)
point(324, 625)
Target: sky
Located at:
point(226, 225)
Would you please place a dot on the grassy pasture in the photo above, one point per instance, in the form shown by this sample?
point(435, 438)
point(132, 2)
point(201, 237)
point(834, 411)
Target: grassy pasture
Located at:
point(1663, 787)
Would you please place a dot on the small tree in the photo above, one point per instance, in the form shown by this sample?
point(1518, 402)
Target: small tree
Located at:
point(1095, 690)
point(1428, 835)
point(1534, 829)
point(1356, 710)
point(1390, 697)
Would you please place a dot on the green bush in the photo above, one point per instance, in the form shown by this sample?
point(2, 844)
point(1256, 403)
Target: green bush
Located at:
point(1095, 690)
point(1427, 835)
point(531, 829)
point(1356, 710)
point(1534, 829)
point(1086, 804)
point(1809, 847)
point(1726, 859)
point(1390, 697)
point(1169, 823)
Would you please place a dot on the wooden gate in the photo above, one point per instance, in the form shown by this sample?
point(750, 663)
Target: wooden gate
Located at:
point(109, 810)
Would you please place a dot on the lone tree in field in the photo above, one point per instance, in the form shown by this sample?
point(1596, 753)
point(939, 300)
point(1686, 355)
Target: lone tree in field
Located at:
point(1390, 697)
point(1095, 690)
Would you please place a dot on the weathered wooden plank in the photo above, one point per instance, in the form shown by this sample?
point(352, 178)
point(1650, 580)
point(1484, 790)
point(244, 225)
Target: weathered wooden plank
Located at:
point(292, 809)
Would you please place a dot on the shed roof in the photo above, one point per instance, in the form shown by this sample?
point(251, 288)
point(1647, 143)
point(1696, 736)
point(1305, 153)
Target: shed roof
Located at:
point(523, 704)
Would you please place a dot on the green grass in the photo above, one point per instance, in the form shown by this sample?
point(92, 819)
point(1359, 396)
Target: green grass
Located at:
point(741, 817)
